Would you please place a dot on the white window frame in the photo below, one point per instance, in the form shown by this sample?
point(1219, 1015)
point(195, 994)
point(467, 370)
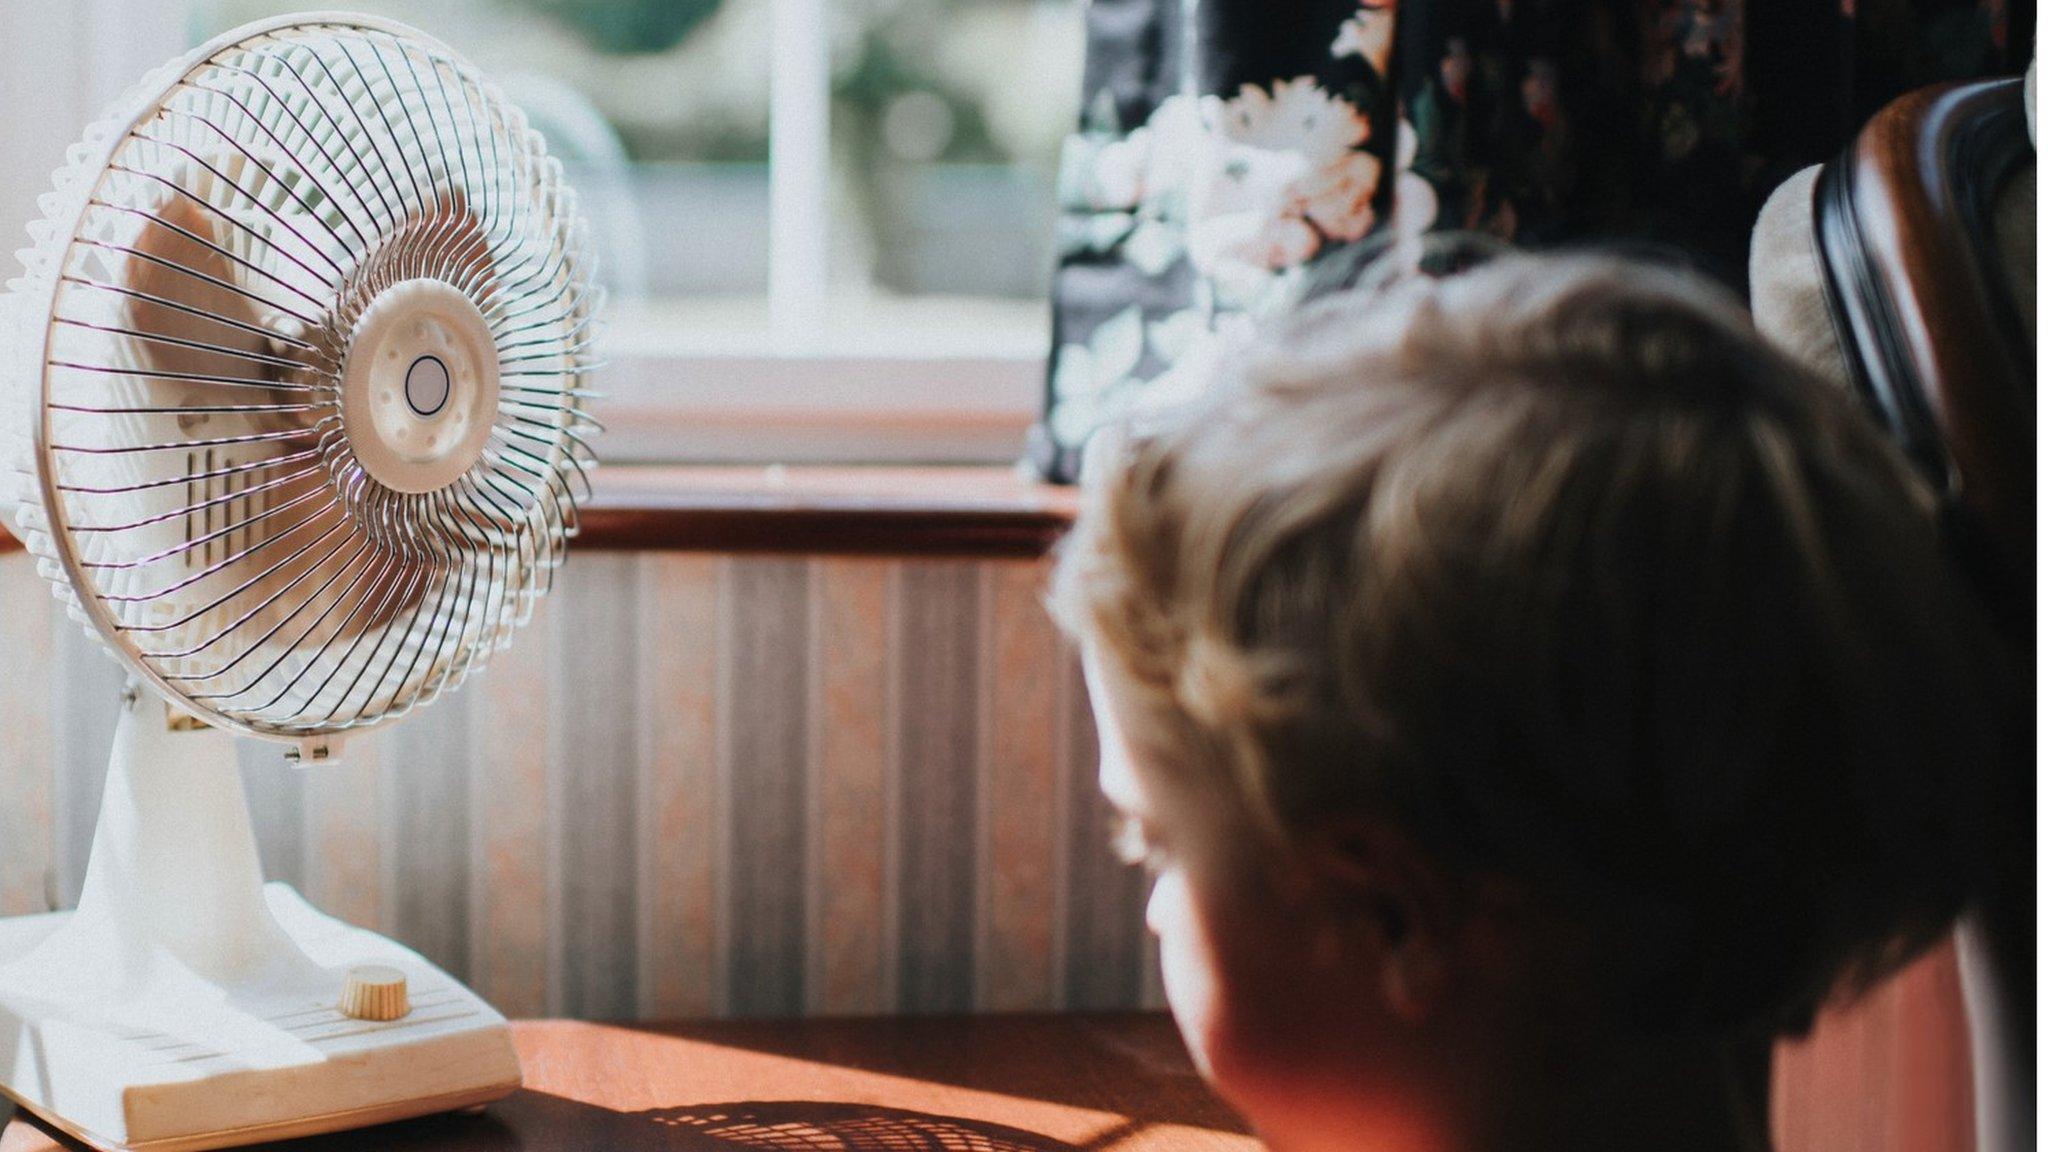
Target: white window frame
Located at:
point(790, 391)
point(794, 393)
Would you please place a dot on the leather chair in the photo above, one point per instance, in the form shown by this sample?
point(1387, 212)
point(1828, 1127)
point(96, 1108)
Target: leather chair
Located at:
point(1923, 229)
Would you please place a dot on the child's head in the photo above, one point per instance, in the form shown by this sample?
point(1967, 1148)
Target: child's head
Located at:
point(1522, 664)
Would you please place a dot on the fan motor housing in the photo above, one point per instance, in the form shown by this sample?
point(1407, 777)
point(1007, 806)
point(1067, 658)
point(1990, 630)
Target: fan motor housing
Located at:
point(420, 386)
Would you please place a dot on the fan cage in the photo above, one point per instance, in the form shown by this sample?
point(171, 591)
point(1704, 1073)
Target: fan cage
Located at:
point(195, 279)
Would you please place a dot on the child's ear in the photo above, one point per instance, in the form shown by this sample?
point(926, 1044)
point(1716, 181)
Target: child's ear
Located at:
point(1391, 904)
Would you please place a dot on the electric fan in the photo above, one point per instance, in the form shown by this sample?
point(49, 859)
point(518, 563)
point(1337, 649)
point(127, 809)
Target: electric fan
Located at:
point(297, 396)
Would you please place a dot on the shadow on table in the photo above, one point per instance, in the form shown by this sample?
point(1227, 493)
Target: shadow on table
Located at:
point(537, 1122)
point(1129, 1064)
point(806, 1126)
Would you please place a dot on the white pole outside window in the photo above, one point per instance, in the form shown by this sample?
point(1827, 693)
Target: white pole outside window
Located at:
point(799, 169)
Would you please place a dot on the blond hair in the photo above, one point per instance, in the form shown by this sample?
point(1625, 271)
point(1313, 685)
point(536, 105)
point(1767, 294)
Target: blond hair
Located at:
point(1558, 565)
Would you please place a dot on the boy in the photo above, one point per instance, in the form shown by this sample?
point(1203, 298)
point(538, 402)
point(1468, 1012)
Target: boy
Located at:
point(1533, 695)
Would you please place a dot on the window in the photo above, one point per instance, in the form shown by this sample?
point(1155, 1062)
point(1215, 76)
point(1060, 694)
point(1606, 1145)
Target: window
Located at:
point(827, 224)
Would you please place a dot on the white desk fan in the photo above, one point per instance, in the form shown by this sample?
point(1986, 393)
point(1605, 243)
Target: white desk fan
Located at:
point(296, 380)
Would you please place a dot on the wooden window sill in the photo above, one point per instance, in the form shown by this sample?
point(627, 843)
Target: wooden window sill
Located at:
point(938, 510)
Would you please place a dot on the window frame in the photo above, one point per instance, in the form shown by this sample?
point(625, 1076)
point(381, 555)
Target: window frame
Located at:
point(789, 391)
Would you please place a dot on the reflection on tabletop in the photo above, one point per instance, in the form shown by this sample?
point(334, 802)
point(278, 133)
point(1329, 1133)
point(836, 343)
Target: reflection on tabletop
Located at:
point(960, 1084)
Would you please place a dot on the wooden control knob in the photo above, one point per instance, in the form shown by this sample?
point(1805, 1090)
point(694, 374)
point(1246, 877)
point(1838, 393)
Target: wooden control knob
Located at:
point(374, 992)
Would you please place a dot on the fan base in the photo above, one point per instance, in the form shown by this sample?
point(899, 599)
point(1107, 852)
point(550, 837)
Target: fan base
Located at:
point(180, 1064)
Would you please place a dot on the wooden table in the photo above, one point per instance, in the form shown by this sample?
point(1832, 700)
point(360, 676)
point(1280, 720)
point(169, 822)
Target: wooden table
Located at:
point(963, 1084)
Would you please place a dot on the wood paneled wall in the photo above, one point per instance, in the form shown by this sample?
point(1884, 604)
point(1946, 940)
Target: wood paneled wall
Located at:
point(709, 786)
point(695, 786)
point(1890, 1073)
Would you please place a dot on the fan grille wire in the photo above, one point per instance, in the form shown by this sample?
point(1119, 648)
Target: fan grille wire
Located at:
point(191, 484)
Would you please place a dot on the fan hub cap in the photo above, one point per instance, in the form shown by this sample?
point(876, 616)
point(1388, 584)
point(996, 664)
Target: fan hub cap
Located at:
point(426, 386)
point(420, 386)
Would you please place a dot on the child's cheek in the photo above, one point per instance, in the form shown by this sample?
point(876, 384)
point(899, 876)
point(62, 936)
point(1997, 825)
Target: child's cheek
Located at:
point(1214, 998)
point(1186, 966)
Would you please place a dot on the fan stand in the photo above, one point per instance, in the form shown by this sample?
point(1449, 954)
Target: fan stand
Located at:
point(186, 1005)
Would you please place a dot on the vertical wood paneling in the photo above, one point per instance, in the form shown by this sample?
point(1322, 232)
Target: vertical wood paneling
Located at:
point(1890, 1073)
point(28, 617)
point(700, 785)
point(1105, 938)
point(848, 889)
point(694, 786)
point(344, 856)
point(765, 642)
point(424, 779)
point(1024, 659)
point(681, 829)
point(597, 760)
point(512, 838)
point(1151, 985)
point(938, 616)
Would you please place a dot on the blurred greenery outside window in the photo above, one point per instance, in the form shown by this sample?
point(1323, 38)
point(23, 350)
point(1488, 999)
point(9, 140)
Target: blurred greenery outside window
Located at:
point(945, 124)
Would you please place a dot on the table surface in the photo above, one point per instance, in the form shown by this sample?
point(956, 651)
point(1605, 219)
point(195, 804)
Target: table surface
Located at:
point(947, 1084)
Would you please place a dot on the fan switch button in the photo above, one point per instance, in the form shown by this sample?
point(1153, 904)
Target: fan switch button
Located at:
point(374, 992)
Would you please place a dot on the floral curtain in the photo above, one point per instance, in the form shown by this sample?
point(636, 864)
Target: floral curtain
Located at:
point(1229, 147)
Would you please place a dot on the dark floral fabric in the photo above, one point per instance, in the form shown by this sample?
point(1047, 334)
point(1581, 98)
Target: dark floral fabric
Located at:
point(1227, 147)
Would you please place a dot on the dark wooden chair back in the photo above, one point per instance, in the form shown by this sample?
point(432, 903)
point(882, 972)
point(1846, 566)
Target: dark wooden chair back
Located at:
point(1934, 340)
